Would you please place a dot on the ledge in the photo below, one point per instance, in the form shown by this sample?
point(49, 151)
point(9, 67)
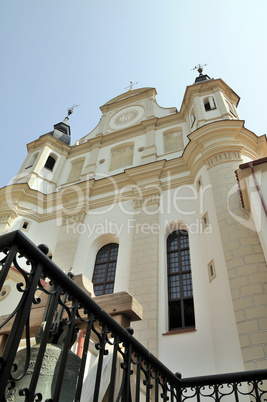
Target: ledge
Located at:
point(179, 331)
point(122, 306)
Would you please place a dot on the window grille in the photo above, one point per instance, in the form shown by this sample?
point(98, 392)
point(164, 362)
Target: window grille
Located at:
point(180, 289)
point(105, 269)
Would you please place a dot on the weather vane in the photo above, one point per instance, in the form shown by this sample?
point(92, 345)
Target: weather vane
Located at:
point(130, 87)
point(199, 68)
point(70, 110)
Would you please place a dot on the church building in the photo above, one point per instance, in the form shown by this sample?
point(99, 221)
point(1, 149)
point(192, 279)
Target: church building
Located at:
point(168, 205)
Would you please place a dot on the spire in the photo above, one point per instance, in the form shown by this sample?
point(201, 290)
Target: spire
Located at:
point(62, 129)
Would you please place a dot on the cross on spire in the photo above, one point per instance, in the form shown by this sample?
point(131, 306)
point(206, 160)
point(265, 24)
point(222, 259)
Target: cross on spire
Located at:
point(130, 87)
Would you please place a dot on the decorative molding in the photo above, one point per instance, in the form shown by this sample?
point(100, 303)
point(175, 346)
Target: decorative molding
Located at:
point(6, 219)
point(224, 157)
point(149, 200)
point(122, 134)
point(126, 117)
point(71, 219)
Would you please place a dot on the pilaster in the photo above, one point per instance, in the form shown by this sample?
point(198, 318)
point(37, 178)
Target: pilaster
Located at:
point(90, 167)
point(143, 284)
point(150, 151)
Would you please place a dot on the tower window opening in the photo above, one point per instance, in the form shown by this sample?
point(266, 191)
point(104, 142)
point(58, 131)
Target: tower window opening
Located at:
point(105, 269)
point(50, 163)
point(192, 118)
point(180, 289)
point(209, 103)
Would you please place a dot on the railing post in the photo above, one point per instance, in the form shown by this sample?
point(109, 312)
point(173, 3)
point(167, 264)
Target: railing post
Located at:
point(44, 341)
point(102, 351)
point(113, 369)
point(14, 338)
point(7, 263)
point(84, 356)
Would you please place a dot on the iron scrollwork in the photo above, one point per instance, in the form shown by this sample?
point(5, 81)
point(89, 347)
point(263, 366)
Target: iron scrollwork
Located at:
point(123, 369)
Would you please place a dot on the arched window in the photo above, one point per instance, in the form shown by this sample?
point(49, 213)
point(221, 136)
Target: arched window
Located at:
point(105, 269)
point(50, 163)
point(180, 289)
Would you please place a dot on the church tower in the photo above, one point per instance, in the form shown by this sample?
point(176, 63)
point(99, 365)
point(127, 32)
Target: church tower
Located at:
point(46, 158)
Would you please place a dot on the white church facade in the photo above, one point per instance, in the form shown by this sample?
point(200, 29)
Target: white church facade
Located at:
point(167, 205)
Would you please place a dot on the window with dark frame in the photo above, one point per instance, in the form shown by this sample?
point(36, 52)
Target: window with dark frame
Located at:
point(50, 163)
point(180, 289)
point(105, 269)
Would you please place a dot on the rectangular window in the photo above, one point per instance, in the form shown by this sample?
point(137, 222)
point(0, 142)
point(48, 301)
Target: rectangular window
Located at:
point(180, 289)
point(211, 271)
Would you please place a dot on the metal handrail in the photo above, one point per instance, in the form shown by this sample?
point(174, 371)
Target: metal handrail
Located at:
point(135, 359)
point(225, 378)
point(33, 252)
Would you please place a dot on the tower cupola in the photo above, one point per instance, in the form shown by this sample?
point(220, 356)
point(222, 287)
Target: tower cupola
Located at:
point(62, 131)
point(201, 77)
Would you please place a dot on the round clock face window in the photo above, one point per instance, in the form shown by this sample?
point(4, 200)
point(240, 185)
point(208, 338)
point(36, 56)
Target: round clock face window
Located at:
point(126, 117)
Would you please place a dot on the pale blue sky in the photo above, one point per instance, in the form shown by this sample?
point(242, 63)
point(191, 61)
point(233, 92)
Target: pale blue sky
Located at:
point(55, 53)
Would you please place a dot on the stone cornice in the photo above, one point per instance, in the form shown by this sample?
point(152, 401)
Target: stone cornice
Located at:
point(85, 147)
point(128, 133)
point(223, 136)
point(165, 121)
point(243, 173)
point(124, 134)
point(149, 124)
point(48, 140)
point(145, 173)
point(136, 130)
point(215, 143)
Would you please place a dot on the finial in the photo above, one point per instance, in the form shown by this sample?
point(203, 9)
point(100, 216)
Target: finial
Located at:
point(70, 273)
point(199, 68)
point(70, 110)
point(131, 86)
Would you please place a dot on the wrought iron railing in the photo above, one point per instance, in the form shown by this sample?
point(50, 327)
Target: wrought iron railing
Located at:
point(113, 365)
